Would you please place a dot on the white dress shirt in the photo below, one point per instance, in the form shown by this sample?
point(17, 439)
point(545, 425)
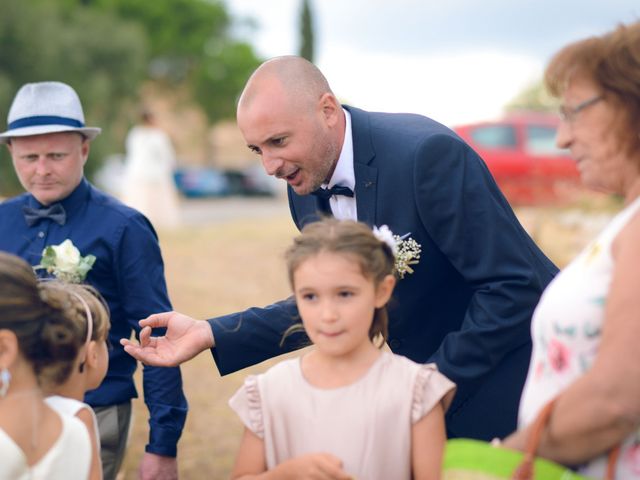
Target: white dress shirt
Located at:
point(344, 208)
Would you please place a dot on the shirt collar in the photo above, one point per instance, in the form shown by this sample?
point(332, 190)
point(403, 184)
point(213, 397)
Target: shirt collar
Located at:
point(71, 203)
point(343, 173)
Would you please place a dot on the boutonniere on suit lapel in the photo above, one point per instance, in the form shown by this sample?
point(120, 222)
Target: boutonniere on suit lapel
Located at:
point(405, 249)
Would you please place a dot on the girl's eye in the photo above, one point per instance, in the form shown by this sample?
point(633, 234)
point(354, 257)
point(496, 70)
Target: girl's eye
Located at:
point(346, 293)
point(309, 296)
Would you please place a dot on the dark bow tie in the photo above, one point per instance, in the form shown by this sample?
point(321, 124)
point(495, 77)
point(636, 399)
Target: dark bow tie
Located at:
point(54, 212)
point(327, 193)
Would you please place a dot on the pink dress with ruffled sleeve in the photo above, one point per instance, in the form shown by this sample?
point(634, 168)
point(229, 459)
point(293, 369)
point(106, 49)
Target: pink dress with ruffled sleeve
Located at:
point(367, 424)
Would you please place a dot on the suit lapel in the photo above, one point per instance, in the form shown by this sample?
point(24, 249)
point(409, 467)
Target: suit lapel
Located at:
point(366, 189)
point(366, 174)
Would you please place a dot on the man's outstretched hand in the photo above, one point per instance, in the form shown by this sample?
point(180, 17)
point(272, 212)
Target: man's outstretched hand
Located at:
point(183, 340)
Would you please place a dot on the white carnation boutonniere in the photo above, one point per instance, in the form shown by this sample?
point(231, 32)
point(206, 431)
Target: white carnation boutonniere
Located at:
point(405, 249)
point(65, 262)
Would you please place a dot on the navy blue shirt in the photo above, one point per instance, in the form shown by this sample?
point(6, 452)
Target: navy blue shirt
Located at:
point(129, 273)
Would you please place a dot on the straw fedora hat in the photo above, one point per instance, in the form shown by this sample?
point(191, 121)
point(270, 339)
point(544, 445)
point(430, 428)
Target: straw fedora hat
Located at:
point(46, 107)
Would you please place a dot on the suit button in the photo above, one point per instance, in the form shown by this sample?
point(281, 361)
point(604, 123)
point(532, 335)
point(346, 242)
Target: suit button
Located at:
point(394, 343)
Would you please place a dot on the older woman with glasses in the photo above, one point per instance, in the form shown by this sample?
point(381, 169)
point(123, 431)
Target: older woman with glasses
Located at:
point(586, 328)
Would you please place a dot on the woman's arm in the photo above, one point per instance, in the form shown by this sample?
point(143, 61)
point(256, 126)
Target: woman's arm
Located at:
point(251, 464)
point(86, 416)
point(428, 439)
point(602, 407)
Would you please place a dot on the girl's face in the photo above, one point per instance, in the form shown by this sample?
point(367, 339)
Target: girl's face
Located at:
point(99, 365)
point(337, 302)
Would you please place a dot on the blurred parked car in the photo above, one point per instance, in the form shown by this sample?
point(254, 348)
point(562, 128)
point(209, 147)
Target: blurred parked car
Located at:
point(521, 154)
point(195, 182)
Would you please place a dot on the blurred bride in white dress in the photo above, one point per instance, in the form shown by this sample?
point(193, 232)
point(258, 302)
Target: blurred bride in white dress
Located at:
point(148, 184)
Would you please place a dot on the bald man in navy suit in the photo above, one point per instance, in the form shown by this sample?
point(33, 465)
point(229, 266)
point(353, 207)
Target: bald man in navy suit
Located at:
point(467, 306)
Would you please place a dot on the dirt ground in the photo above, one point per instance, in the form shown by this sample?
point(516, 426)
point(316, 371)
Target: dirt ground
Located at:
point(218, 267)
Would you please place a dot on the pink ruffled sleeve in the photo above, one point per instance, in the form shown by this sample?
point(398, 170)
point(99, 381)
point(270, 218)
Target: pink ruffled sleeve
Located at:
point(429, 389)
point(247, 404)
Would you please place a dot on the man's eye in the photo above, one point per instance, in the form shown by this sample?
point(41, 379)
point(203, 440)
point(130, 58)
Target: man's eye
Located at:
point(278, 142)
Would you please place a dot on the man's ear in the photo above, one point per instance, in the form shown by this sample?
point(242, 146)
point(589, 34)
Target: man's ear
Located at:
point(330, 108)
point(86, 147)
point(384, 290)
point(8, 348)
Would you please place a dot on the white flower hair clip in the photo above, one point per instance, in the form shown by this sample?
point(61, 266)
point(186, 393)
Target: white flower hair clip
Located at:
point(65, 262)
point(405, 250)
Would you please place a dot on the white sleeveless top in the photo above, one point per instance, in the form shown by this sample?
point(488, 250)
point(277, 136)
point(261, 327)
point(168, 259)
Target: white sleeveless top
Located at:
point(71, 406)
point(566, 331)
point(69, 458)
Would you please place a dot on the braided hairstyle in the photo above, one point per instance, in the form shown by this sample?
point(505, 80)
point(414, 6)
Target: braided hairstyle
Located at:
point(37, 314)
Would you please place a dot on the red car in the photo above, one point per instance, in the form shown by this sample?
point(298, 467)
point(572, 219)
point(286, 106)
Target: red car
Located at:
point(521, 154)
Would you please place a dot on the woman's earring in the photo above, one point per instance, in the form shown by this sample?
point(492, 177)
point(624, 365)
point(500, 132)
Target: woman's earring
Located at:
point(5, 380)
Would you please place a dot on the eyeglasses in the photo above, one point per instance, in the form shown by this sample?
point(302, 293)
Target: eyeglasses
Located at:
point(569, 114)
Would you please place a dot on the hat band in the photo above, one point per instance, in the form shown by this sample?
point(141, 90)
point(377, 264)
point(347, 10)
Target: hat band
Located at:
point(39, 120)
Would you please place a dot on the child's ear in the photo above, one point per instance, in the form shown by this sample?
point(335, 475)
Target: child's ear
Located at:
point(92, 354)
point(384, 290)
point(8, 348)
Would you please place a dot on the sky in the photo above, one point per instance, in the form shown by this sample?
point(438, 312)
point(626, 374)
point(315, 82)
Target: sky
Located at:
point(456, 61)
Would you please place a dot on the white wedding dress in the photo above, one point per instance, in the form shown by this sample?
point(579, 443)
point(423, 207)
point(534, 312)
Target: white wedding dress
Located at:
point(148, 184)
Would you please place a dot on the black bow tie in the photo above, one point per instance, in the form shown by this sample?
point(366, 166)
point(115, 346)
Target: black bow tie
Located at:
point(327, 193)
point(54, 212)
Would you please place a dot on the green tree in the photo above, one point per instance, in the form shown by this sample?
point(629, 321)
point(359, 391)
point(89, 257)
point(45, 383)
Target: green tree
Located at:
point(99, 54)
point(307, 45)
point(533, 97)
point(191, 48)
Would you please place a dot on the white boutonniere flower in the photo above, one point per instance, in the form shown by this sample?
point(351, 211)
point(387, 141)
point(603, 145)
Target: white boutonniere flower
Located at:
point(65, 262)
point(405, 249)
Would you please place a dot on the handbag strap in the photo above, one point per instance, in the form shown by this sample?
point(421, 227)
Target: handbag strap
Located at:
point(525, 470)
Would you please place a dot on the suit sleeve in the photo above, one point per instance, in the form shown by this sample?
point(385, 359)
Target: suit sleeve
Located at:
point(472, 224)
point(257, 334)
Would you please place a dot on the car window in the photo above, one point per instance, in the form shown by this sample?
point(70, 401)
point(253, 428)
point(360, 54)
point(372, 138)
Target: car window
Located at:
point(541, 140)
point(495, 136)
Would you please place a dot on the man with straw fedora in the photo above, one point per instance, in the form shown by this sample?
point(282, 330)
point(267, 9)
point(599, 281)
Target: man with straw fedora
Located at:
point(49, 144)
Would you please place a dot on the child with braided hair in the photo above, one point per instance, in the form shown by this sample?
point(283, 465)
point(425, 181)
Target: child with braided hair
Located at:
point(89, 316)
point(38, 344)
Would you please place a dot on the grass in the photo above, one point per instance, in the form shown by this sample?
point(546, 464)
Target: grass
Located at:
point(217, 269)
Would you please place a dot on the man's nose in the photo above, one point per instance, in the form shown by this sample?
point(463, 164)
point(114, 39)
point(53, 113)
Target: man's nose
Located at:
point(42, 165)
point(271, 163)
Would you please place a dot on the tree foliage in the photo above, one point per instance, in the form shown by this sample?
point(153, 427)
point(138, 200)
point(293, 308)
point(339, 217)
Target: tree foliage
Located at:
point(99, 54)
point(106, 49)
point(191, 47)
point(307, 37)
point(534, 97)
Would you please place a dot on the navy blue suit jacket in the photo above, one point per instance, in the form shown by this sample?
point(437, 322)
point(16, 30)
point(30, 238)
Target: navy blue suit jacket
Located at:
point(469, 302)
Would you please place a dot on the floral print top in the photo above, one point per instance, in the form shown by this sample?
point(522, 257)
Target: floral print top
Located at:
point(566, 332)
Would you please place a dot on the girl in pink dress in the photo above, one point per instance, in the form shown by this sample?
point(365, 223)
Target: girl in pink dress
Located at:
point(346, 408)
